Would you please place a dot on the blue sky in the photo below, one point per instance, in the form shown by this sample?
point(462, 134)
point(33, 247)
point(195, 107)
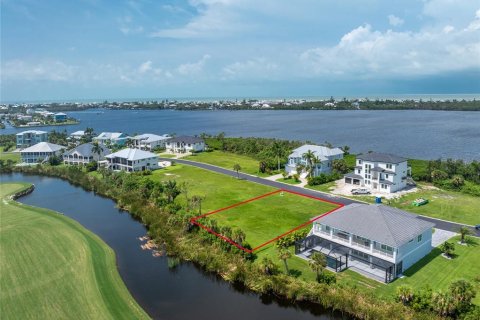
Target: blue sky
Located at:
point(96, 49)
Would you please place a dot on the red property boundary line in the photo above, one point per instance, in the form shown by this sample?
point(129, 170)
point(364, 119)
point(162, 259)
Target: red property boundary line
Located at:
point(226, 239)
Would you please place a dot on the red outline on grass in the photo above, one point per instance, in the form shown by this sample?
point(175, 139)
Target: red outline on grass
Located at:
point(226, 239)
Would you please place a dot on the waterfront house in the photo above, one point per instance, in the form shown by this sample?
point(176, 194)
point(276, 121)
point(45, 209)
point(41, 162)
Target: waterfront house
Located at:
point(41, 152)
point(30, 137)
point(130, 159)
point(85, 153)
point(324, 155)
point(77, 135)
point(375, 240)
point(60, 117)
point(184, 144)
point(149, 141)
point(379, 172)
point(111, 138)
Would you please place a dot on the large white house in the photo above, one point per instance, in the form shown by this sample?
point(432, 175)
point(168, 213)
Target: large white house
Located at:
point(85, 153)
point(149, 141)
point(325, 156)
point(114, 138)
point(375, 240)
point(30, 137)
point(130, 159)
point(41, 152)
point(184, 144)
point(380, 172)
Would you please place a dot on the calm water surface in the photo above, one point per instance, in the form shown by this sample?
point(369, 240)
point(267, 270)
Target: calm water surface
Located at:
point(183, 293)
point(420, 134)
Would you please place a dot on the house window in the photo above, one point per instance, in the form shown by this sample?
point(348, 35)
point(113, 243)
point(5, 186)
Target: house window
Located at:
point(419, 238)
point(359, 161)
point(386, 176)
point(359, 171)
point(389, 166)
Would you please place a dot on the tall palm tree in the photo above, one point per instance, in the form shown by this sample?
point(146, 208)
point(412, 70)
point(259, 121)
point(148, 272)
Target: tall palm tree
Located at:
point(171, 190)
point(464, 232)
point(97, 149)
point(277, 149)
point(284, 255)
point(237, 168)
point(317, 263)
point(309, 157)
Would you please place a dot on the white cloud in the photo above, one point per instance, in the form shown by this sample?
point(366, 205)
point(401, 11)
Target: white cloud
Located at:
point(145, 67)
point(253, 68)
point(45, 70)
point(194, 68)
point(395, 21)
point(364, 52)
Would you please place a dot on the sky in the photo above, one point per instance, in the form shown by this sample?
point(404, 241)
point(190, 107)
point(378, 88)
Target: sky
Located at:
point(114, 49)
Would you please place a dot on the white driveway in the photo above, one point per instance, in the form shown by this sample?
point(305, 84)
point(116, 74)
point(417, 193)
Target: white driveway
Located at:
point(440, 236)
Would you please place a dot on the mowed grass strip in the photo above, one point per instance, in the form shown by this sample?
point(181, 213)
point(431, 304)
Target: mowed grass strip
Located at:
point(53, 268)
point(268, 217)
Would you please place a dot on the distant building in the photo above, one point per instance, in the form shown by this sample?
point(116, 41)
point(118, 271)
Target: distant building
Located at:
point(77, 135)
point(130, 160)
point(184, 144)
point(325, 156)
point(377, 241)
point(114, 138)
point(60, 117)
point(84, 154)
point(149, 141)
point(30, 137)
point(41, 152)
point(380, 172)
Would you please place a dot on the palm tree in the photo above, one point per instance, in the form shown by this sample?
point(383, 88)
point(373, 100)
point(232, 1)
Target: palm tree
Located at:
point(317, 263)
point(447, 248)
point(464, 232)
point(171, 190)
point(277, 151)
point(309, 158)
point(237, 168)
point(268, 266)
point(443, 303)
point(405, 294)
point(284, 255)
point(97, 149)
point(238, 236)
point(197, 202)
point(462, 293)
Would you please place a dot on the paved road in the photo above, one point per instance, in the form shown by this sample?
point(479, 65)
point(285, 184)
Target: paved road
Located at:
point(440, 224)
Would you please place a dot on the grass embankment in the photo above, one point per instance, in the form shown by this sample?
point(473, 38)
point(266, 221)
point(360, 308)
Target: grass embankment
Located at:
point(15, 157)
point(437, 272)
point(227, 160)
point(53, 268)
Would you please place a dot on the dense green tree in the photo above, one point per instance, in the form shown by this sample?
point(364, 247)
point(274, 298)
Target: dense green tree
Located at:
point(317, 263)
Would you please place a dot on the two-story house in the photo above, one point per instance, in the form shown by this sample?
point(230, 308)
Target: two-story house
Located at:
point(40, 152)
point(380, 172)
point(324, 155)
point(184, 144)
point(30, 137)
point(375, 240)
point(111, 138)
point(130, 159)
point(85, 153)
point(149, 141)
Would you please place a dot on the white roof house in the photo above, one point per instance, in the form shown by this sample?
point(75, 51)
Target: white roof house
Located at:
point(130, 159)
point(150, 141)
point(40, 152)
point(321, 152)
point(43, 147)
point(324, 154)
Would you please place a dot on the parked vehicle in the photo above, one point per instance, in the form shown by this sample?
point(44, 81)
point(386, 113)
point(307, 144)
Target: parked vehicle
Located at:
point(360, 191)
point(477, 227)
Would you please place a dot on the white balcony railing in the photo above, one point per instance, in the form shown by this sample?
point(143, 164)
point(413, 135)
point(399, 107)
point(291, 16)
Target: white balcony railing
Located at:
point(382, 252)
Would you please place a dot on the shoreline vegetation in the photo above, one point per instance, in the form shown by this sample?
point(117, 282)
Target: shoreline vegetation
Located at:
point(90, 285)
point(267, 104)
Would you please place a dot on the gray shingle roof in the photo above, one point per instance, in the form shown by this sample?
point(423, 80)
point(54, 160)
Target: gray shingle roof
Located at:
point(379, 223)
point(85, 150)
point(381, 157)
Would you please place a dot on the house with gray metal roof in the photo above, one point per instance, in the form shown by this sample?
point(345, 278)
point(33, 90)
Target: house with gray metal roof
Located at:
point(183, 144)
point(150, 141)
point(324, 155)
point(85, 153)
point(41, 152)
point(111, 138)
point(375, 240)
point(130, 159)
point(379, 172)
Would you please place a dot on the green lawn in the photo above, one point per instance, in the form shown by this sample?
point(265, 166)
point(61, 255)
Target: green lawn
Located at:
point(326, 187)
point(288, 181)
point(437, 272)
point(53, 268)
point(269, 217)
point(228, 160)
point(447, 205)
point(9, 155)
point(166, 155)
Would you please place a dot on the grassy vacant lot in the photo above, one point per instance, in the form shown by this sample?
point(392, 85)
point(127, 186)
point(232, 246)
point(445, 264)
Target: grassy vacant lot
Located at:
point(437, 272)
point(9, 155)
point(53, 268)
point(271, 216)
point(448, 205)
point(228, 160)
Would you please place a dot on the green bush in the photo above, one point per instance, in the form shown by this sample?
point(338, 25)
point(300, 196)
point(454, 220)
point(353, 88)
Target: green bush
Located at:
point(323, 178)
